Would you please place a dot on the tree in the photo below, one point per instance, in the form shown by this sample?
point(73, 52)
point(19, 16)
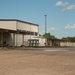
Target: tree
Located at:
point(48, 35)
point(71, 39)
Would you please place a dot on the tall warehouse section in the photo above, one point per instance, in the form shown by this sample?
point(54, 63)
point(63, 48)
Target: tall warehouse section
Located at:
point(18, 33)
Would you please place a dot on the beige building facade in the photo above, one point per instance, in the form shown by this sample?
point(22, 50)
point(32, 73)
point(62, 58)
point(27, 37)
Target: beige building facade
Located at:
point(17, 32)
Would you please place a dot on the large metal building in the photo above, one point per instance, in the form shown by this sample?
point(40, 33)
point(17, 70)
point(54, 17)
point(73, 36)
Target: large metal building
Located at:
point(17, 33)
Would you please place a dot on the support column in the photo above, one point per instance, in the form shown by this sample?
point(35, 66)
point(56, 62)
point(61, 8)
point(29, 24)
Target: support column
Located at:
point(13, 39)
point(23, 39)
point(2, 38)
point(16, 38)
point(50, 42)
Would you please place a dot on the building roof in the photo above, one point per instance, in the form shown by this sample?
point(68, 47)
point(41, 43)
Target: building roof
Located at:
point(18, 20)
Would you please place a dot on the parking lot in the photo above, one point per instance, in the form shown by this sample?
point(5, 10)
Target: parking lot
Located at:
point(38, 62)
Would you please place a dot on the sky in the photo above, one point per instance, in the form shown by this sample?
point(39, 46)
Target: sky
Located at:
point(60, 14)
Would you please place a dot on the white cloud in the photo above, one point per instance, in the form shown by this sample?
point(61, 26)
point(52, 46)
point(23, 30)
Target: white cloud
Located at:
point(70, 7)
point(70, 26)
point(67, 33)
point(60, 3)
point(65, 5)
point(52, 28)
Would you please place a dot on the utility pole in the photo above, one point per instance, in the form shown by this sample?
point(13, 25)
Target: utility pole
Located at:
point(45, 24)
point(45, 28)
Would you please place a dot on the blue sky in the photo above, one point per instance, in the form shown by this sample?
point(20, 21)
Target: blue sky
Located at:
point(60, 14)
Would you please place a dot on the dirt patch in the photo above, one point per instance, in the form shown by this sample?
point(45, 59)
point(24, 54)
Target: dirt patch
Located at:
point(23, 62)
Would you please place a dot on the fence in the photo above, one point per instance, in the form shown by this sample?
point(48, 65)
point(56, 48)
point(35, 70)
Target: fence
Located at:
point(67, 44)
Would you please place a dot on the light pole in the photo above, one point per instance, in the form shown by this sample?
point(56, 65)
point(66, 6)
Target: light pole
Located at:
point(45, 24)
point(45, 28)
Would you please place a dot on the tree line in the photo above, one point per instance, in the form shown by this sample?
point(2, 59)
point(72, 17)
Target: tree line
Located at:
point(70, 39)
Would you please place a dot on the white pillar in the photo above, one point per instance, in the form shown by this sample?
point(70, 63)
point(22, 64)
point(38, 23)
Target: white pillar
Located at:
point(2, 38)
point(23, 39)
point(13, 39)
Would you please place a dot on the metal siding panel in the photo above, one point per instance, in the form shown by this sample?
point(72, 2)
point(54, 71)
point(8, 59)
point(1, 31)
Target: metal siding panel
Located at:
point(34, 28)
point(23, 26)
point(27, 27)
point(10, 25)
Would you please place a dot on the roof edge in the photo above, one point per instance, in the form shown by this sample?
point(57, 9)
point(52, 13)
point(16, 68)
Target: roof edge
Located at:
point(17, 20)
